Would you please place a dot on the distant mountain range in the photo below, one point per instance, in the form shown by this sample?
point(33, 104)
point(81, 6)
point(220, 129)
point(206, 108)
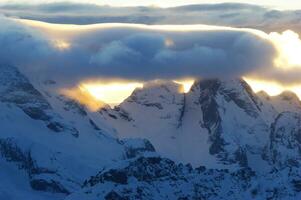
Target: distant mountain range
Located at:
point(218, 141)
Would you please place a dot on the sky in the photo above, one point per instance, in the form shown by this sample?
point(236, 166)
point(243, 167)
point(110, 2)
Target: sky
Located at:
point(108, 61)
point(278, 4)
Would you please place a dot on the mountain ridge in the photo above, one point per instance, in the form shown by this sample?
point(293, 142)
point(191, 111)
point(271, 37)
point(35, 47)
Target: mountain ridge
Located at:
point(218, 141)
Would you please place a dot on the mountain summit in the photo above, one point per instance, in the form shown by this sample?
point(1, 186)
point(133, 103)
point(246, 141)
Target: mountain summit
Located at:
point(218, 141)
point(212, 124)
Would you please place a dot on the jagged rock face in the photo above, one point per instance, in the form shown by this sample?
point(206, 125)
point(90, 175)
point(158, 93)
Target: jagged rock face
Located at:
point(239, 145)
point(48, 162)
point(211, 118)
point(51, 173)
point(234, 118)
point(286, 101)
point(227, 126)
point(11, 152)
point(285, 142)
point(135, 148)
point(16, 89)
point(71, 110)
point(158, 178)
point(153, 112)
point(218, 120)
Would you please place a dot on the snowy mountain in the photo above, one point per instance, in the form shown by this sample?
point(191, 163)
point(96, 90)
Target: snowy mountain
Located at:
point(50, 153)
point(211, 125)
point(218, 124)
point(286, 101)
point(218, 141)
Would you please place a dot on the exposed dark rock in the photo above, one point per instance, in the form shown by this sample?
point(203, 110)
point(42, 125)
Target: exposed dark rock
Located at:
point(48, 186)
point(72, 105)
point(94, 125)
point(297, 185)
point(114, 196)
point(233, 95)
point(134, 150)
point(157, 105)
point(13, 153)
point(241, 157)
point(211, 117)
point(18, 90)
point(113, 116)
point(123, 114)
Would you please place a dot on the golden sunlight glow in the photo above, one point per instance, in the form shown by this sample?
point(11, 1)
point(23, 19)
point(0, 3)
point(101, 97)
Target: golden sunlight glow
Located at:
point(289, 46)
point(83, 97)
point(271, 88)
point(61, 45)
point(297, 90)
point(186, 84)
point(92, 93)
point(111, 93)
point(169, 42)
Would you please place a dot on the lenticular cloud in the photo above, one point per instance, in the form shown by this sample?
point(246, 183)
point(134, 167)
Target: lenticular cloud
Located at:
point(140, 52)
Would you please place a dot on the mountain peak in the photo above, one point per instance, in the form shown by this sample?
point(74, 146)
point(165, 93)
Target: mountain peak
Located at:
point(17, 90)
point(155, 94)
point(215, 84)
point(236, 90)
point(286, 101)
point(161, 83)
point(289, 96)
point(263, 94)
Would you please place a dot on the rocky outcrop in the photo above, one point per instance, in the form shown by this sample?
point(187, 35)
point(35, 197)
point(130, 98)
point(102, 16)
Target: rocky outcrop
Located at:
point(17, 90)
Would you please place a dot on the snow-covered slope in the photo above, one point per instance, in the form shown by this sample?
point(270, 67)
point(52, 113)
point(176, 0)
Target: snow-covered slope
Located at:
point(218, 122)
point(153, 112)
point(52, 154)
point(17, 90)
point(234, 144)
point(154, 178)
point(285, 142)
point(286, 101)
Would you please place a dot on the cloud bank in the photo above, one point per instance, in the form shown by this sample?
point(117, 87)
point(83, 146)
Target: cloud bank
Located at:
point(139, 52)
point(169, 55)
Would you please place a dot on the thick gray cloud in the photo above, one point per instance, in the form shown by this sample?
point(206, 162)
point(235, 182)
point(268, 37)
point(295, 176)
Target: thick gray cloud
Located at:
point(136, 52)
point(202, 53)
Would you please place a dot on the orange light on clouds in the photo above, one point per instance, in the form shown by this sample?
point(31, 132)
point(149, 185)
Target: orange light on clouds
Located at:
point(289, 46)
point(169, 42)
point(83, 97)
point(97, 94)
point(61, 44)
point(287, 43)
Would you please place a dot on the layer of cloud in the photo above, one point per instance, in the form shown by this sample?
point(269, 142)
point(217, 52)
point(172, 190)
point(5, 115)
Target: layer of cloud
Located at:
point(140, 52)
point(146, 55)
point(225, 14)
